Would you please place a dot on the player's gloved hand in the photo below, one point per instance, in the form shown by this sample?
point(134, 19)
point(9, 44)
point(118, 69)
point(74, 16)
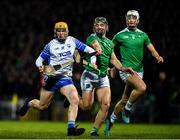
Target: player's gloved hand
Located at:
point(41, 68)
point(95, 69)
point(91, 65)
point(94, 65)
point(127, 70)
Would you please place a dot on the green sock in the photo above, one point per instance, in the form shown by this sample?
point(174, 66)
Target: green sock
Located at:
point(94, 129)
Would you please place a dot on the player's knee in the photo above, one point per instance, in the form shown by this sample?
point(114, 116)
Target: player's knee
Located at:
point(74, 101)
point(142, 89)
point(105, 107)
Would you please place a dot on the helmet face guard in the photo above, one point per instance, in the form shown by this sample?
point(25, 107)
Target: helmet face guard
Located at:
point(132, 19)
point(61, 27)
point(100, 26)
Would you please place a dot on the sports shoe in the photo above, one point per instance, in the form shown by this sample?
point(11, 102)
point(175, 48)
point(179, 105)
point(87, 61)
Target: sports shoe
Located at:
point(66, 103)
point(24, 108)
point(108, 125)
point(94, 134)
point(75, 131)
point(125, 115)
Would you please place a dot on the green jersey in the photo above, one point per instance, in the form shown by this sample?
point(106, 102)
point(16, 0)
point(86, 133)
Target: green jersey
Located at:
point(103, 60)
point(131, 44)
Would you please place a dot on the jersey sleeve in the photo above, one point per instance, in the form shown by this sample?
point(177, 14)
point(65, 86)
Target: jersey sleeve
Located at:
point(146, 39)
point(114, 41)
point(112, 47)
point(83, 47)
point(45, 54)
point(79, 45)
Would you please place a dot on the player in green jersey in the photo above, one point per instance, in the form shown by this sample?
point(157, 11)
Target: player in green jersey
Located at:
point(131, 41)
point(91, 82)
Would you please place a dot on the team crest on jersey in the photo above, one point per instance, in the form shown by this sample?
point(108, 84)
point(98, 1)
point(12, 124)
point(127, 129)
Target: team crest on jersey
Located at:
point(133, 36)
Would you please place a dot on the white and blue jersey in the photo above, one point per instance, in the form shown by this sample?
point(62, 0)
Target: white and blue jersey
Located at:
point(56, 53)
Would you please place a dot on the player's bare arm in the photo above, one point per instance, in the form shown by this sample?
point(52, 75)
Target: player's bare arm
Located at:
point(155, 54)
point(119, 66)
point(97, 47)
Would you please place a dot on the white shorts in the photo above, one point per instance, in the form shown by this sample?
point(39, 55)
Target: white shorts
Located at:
point(90, 80)
point(124, 76)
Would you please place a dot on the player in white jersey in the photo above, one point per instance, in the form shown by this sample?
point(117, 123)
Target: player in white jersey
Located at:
point(59, 54)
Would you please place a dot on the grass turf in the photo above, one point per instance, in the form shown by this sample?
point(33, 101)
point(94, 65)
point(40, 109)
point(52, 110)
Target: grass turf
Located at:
point(57, 130)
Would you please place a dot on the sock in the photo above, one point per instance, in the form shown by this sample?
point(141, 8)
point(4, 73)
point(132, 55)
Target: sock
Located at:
point(128, 105)
point(113, 117)
point(94, 129)
point(71, 124)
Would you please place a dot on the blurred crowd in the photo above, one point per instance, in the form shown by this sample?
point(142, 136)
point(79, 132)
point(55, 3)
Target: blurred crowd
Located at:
point(25, 27)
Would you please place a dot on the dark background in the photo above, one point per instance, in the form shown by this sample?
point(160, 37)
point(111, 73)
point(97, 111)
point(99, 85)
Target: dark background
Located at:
point(25, 27)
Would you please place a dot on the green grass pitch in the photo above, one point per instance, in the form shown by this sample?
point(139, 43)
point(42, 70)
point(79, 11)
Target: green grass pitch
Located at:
point(57, 130)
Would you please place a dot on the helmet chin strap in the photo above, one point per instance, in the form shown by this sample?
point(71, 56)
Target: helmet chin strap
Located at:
point(61, 40)
point(100, 35)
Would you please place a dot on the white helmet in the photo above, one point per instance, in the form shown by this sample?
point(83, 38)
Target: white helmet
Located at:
point(133, 12)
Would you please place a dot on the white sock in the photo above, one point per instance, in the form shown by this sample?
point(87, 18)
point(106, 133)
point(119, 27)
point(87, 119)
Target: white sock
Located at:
point(128, 105)
point(113, 117)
